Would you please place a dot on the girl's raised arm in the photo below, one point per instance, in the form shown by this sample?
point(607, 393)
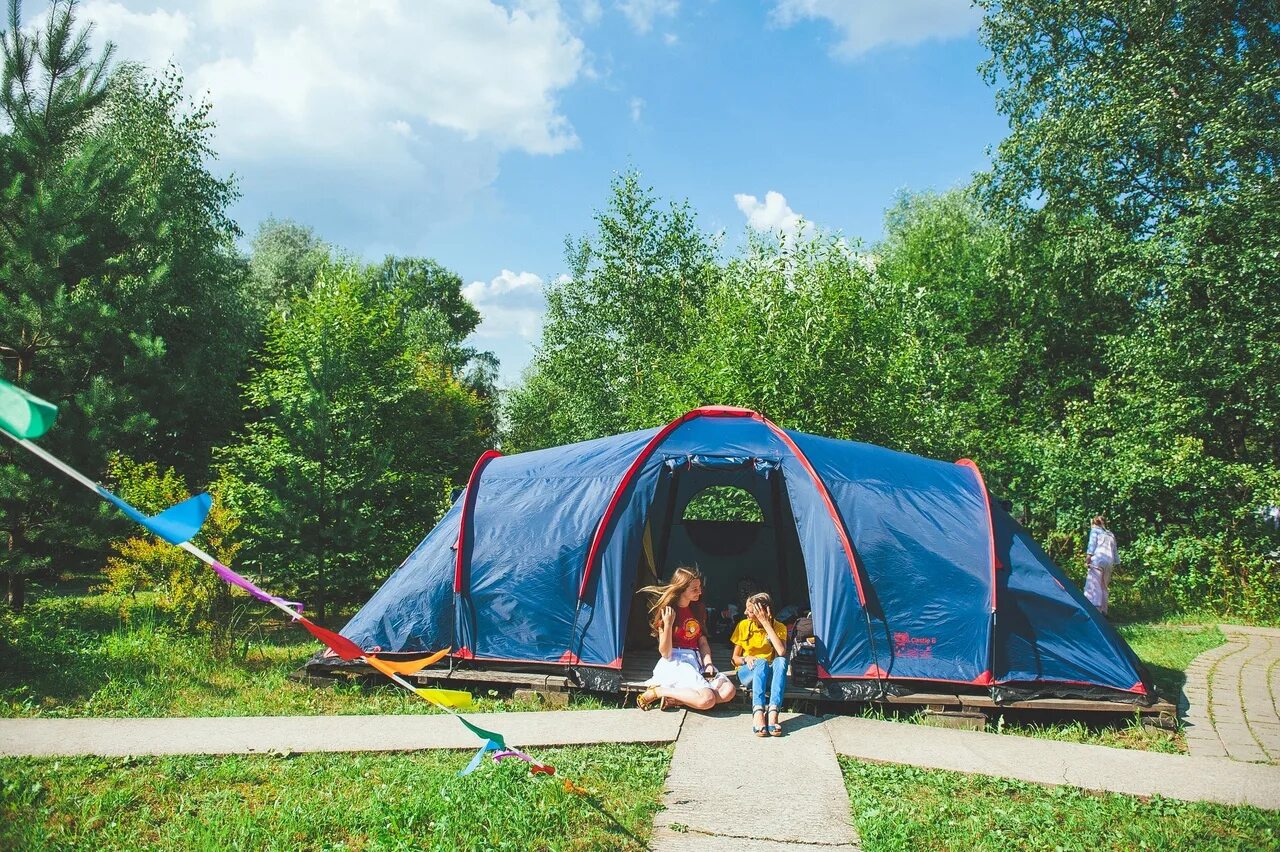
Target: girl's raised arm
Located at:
point(664, 632)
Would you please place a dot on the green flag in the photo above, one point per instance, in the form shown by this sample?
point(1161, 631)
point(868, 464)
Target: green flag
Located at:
point(23, 415)
point(482, 733)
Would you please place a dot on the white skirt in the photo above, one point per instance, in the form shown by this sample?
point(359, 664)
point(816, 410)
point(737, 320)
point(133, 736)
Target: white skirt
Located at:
point(1096, 581)
point(683, 671)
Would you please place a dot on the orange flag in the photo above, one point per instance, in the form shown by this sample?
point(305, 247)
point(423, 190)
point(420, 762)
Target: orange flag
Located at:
point(406, 667)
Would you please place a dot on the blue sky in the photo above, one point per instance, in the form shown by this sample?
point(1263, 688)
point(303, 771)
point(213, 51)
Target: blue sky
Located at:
point(482, 133)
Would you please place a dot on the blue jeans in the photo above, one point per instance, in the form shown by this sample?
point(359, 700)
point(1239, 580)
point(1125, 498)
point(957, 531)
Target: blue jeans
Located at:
point(757, 672)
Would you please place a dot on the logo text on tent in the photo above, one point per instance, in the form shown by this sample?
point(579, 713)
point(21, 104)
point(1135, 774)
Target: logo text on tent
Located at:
point(906, 645)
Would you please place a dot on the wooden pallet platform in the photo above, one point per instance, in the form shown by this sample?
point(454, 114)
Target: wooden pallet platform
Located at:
point(638, 665)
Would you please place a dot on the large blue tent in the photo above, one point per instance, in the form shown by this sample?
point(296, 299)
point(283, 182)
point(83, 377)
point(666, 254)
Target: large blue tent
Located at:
point(915, 577)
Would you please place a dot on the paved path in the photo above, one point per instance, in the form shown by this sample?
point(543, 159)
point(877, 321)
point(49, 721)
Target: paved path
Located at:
point(263, 734)
point(1232, 695)
point(729, 789)
point(1092, 767)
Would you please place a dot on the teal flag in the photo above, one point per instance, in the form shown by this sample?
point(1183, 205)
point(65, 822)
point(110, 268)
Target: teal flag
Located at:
point(489, 746)
point(24, 415)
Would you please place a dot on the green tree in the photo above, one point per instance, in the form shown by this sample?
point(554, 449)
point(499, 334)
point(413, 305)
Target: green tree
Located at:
point(355, 430)
point(283, 262)
point(792, 329)
point(119, 281)
point(183, 298)
point(198, 598)
point(52, 233)
point(1156, 128)
point(440, 318)
point(1160, 122)
point(614, 320)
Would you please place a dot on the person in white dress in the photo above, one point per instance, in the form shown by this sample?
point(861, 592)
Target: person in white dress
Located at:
point(685, 674)
point(1101, 557)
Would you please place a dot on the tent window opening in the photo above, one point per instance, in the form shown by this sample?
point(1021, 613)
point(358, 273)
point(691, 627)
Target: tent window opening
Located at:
point(724, 503)
point(723, 520)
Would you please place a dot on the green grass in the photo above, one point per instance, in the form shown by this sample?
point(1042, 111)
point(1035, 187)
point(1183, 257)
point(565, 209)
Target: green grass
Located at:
point(74, 656)
point(328, 801)
point(1168, 649)
point(896, 807)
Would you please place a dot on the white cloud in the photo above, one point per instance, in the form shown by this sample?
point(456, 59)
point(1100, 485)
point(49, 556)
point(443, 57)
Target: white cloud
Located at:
point(590, 12)
point(773, 215)
point(670, 39)
point(868, 24)
point(511, 306)
point(327, 79)
point(152, 38)
point(379, 119)
point(642, 13)
point(637, 109)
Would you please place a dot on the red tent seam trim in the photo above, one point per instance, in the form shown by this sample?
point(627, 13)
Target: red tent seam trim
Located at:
point(467, 503)
point(719, 411)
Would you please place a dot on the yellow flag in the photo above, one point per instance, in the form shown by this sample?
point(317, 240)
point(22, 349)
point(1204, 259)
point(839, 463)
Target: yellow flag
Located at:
point(455, 698)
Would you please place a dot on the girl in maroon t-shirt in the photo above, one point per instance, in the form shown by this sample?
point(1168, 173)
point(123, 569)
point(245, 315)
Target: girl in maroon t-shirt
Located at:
point(684, 673)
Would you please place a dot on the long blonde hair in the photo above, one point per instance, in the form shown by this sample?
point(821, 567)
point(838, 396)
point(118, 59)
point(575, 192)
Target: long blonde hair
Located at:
point(668, 595)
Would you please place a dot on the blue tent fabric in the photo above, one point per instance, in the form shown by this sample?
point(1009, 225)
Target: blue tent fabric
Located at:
point(413, 610)
point(897, 557)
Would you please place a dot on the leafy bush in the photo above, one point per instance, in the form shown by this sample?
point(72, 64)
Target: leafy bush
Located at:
point(1223, 573)
point(197, 599)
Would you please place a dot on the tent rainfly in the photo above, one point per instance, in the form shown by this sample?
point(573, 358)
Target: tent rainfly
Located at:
point(914, 575)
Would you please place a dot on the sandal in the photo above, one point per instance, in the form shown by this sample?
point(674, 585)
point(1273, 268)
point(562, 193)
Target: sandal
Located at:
point(758, 730)
point(775, 729)
point(649, 698)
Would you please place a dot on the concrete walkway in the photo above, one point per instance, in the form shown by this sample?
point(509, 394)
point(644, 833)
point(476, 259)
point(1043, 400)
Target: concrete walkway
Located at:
point(1091, 767)
point(729, 789)
point(274, 734)
point(1232, 695)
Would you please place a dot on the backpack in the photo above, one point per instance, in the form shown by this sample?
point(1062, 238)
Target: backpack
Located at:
point(803, 653)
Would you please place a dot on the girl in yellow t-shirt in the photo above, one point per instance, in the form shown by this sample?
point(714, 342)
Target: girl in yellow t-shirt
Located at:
point(760, 653)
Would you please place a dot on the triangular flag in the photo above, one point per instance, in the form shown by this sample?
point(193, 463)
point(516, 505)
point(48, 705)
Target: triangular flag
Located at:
point(483, 734)
point(408, 667)
point(341, 645)
point(455, 698)
point(175, 524)
point(236, 580)
point(24, 415)
point(478, 756)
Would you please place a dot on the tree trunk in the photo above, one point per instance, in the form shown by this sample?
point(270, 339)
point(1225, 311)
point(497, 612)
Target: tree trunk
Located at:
point(17, 594)
point(16, 585)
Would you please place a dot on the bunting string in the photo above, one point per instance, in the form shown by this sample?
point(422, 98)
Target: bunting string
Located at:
point(24, 417)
